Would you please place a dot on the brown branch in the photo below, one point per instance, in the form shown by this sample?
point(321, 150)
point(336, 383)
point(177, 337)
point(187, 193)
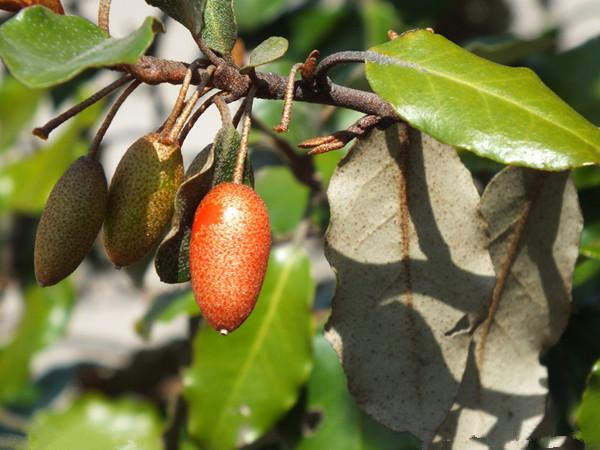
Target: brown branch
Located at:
point(103, 15)
point(152, 70)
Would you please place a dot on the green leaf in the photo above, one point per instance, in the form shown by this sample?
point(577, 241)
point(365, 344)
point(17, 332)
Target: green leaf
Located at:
point(241, 384)
point(25, 185)
point(47, 311)
point(585, 272)
point(503, 113)
point(590, 241)
point(44, 49)
point(589, 411)
point(95, 423)
point(341, 424)
point(164, 309)
point(267, 51)
point(172, 257)
point(18, 105)
point(285, 197)
point(226, 146)
point(220, 28)
point(189, 13)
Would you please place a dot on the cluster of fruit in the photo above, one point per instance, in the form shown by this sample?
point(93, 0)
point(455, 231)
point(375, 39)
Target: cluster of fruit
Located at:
point(229, 243)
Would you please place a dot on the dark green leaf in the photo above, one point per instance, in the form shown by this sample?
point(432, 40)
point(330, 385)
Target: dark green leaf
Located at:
point(267, 51)
point(586, 271)
point(586, 177)
point(26, 184)
point(18, 104)
point(220, 29)
point(407, 242)
point(503, 113)
point(43, 49)
point(47, 311)
point(379, 16)
point(341, 424)
point(590, 241)
point(226, 146)
point(189, 13)
point(165, 308)
point(589, 411)
point(285, 197)
point(172, 257)
point(239, 385)
point(94, 423)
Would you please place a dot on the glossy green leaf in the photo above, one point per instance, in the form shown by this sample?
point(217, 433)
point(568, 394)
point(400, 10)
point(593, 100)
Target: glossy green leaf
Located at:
point(589, 411)
point(95, 423)
point(18, 105)
point(190, 13)
point(47, 311)
point(26, 184)
point(269, 50)
point(503, 113)
point(165, 308)
point(43, 49)
point(590, 241)
point(172, 257)
point(220, 29)
point(241, 384)
point(286, 198)
point(341, 425)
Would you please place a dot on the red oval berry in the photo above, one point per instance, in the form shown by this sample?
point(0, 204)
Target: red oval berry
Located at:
point(229, 250)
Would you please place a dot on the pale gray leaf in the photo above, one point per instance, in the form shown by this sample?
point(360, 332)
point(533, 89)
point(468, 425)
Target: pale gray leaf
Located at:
point(534, 223)
point(409, 247)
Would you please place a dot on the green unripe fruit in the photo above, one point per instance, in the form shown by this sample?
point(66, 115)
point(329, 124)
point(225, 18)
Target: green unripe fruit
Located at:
point(71, 221)
point(140, 198)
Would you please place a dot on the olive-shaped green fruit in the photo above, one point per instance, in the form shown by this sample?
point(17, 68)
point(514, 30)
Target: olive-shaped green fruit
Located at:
point(71, 221)
point(140, 198)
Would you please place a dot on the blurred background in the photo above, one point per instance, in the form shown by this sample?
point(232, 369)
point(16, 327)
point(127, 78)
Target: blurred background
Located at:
point(123, 333)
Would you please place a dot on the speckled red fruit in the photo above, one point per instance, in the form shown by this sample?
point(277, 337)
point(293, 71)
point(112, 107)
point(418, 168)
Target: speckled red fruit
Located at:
point(229, 250)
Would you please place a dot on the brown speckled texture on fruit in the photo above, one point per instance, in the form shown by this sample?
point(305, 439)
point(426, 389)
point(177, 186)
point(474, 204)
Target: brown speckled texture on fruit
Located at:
point(70, 222)
point(229, 251)
point(140, 199)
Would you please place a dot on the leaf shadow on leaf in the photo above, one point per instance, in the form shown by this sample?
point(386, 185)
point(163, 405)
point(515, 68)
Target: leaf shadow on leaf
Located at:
point(400, 321)
point(513, 409)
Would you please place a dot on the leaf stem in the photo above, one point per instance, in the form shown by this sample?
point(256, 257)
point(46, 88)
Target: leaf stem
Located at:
point(195, 116)
point(179, 103)
point(238, 173)
point(44, 131)
point(336, 59)
point(288, 100)
point(223, 109)
point(94, 148)
point(103, 15)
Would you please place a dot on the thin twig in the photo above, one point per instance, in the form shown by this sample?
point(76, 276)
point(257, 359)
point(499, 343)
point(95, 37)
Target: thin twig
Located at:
point(194, 117)
point(331, 61)
point(103, 15)
point(44, 131)
point(288, 100)
point(94, 148)
point(210, 55)
point(239, 113)
point(223, 109)
point(179, 103)
point(238, 173)
point(337, 140)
